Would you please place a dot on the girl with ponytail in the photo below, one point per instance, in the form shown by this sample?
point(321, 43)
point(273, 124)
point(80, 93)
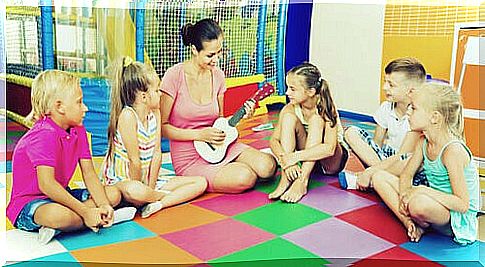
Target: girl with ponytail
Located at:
point(450, 203)
point(309, 133)
point(134, 155)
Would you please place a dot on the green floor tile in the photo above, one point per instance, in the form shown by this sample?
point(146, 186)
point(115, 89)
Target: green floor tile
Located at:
point(276, 252)
point(15, 133)
point(280, 218)
point(269, 186)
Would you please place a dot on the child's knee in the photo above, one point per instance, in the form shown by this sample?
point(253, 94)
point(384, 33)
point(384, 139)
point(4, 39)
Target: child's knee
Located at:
point(288, 120)
point(316, 121)
point(350, 134)
point(114, 195)
point(418, 207)
point(135, 190)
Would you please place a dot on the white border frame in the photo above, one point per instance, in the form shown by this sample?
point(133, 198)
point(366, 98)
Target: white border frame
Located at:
point(458, 27)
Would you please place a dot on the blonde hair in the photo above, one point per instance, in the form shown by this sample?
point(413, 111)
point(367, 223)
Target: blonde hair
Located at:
point(128, 78)
point(46, 88)
point(447, 102)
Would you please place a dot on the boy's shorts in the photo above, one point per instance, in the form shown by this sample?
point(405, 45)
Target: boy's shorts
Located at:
point(382, 152)
point(25, 219)
point(386, 151)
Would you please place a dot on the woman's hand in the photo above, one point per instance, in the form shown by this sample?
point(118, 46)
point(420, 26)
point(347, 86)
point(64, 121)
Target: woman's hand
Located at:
point(212, 135)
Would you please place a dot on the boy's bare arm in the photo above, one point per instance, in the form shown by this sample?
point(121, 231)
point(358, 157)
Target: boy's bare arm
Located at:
point(94, 186)
point(52, 189)
point(157, 155)
point(379, 135)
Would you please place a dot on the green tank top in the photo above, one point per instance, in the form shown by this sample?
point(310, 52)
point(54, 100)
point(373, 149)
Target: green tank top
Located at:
point(464, 225)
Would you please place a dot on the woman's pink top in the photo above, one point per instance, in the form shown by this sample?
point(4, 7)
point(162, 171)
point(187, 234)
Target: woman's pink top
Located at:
point(186, 114)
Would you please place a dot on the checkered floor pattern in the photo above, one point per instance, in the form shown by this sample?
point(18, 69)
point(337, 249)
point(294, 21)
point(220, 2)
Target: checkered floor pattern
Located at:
point(329, 227)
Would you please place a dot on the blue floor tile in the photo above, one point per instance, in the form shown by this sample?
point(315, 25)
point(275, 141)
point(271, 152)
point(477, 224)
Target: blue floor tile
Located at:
point(5, 166)
point(122, 232)
point(60, 260)
point(442, 249)
point(168, 166)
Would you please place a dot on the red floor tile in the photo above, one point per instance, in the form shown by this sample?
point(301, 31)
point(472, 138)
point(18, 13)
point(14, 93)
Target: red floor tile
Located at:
point(378, 220)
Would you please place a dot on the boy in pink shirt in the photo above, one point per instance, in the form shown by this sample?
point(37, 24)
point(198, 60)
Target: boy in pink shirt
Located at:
point(45, 159)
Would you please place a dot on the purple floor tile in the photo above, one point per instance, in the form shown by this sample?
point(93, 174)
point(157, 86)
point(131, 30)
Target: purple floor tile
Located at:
point(334, 201)
point(217, 239)
point(232, 204)
point(336, 239)
point(317, 175)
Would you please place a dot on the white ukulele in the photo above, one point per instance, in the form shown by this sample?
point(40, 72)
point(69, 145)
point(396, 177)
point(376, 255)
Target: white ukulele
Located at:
point(216, 153)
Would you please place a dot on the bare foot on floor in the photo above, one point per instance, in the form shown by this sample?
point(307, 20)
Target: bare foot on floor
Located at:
point(296, 191)
point(281, 188)
point(414, 231)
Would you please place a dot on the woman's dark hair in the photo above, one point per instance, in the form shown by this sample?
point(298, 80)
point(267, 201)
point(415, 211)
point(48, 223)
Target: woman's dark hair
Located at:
point(202, 31)
point(313, 79)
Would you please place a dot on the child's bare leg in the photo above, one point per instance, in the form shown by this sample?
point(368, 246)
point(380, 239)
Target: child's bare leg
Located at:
point(283, 184)
point(387, 186)
point(426, 211)
point(114, 197)
point(360, 147)
point(57, 216)
point(183, 189)
point(137, 193)
point(293, 136)
point(234, 178)
point(299, 187)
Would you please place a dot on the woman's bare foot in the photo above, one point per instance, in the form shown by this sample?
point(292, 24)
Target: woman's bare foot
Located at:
point(281, 188)
point(414, 231)
point(296, 191)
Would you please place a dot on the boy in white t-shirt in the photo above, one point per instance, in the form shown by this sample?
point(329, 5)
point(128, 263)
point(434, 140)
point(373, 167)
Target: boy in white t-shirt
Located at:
point(401, 75)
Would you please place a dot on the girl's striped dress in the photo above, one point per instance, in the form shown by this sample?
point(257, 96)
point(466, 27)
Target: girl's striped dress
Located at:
point(116, 168)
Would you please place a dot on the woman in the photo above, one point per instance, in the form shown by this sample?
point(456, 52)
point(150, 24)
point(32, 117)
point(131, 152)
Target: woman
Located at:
point(192, 99)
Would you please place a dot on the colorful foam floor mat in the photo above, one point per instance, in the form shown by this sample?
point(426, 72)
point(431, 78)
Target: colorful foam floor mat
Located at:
point(328, 227)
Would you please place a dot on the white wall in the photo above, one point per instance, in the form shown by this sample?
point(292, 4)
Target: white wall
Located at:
point(346, 45)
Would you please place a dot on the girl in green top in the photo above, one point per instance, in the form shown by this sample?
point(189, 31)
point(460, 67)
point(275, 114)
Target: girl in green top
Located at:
point(450, 204)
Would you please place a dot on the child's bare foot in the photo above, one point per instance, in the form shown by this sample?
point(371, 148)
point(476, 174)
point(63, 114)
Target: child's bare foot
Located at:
point(414, 231)
point(281, 188)
point(363, 181)
point(296, 191)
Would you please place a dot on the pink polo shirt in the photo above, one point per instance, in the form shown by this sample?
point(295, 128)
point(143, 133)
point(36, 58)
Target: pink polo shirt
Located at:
point(46, 144)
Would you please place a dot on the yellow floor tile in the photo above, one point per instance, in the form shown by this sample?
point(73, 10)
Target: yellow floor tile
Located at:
point(178, 218)
point(144, 251)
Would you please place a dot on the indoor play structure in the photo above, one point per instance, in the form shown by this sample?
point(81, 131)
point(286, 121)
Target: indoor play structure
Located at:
point(252, 53)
